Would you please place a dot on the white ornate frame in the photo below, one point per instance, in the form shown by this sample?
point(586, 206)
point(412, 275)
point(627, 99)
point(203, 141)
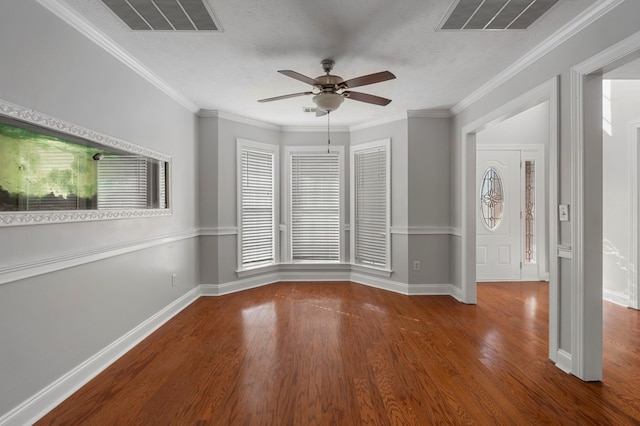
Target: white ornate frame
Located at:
point(14, 218)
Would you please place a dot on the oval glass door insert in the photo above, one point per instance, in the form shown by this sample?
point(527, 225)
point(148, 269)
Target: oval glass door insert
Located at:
point(491, 198)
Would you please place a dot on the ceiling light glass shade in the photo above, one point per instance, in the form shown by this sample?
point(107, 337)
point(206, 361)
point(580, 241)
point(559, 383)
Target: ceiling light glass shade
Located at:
point(328, 101)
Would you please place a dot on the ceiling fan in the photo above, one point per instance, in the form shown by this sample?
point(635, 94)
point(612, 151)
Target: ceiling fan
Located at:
point(330, 90)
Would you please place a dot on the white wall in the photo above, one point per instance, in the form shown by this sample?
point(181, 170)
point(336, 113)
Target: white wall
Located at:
point(51, 323)
point(625, 102)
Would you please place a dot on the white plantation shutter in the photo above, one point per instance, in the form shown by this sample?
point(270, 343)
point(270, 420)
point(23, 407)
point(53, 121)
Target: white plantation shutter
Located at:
point(315, 207)
point(257, 207)
point(122, 182)
point(371, 210)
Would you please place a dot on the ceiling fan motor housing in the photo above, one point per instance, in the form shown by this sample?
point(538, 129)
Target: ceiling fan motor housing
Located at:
point(328, 101)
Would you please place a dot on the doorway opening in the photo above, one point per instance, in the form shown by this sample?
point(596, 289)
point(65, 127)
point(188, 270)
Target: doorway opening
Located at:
point(545, 93)
point(511, 215)
point(587, 199)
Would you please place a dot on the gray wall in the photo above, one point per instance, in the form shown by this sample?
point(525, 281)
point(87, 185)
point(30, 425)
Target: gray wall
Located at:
point(428, 199)
point(51, 323)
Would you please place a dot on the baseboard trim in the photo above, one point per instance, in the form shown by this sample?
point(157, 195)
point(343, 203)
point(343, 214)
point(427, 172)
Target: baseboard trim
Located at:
point(431, 289)
point(48, 398)
point(616, 297)
point(563, 361)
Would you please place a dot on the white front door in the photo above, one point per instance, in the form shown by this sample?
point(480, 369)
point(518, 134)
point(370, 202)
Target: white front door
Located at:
point(498, 215)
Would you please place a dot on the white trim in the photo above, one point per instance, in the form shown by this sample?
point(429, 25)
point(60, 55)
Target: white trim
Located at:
point(239, 119)
point(616, 297)
point(228, 230)
point(634, 196)
point(431, 289)
point(576, 25)
point(429, 113)
point(52, 264)
point(315, 129)
point(241, 285)
point(380, 282)
point(423, 230)
point(536, 148)
point(389, 119)
point(67, 216)
point(46, 399)
point(75, 20)
point(563, 361)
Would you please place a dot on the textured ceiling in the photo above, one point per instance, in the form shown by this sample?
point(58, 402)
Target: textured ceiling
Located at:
point(230, 70)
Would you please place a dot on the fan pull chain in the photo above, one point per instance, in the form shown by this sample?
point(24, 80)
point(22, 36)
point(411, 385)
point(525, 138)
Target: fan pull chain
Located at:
point(328, 132)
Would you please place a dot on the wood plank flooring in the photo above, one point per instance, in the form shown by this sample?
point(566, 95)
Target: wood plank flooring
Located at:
point(347, 354)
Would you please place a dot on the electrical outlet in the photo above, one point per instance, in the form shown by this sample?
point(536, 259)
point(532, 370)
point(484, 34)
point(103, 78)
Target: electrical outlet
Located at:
point(416, 265)
point(173, 280)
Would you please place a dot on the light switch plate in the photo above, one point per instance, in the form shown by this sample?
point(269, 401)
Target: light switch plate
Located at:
point(563, 212)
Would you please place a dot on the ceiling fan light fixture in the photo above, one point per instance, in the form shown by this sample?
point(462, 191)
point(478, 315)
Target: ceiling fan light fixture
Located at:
point(328, 101)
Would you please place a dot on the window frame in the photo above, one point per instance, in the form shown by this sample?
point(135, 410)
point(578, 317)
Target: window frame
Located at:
point(384, 144)
point(288, 205)
point(242, 144)
point(49, 124)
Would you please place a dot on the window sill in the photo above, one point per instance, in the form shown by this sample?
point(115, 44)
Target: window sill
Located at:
point(313, 267)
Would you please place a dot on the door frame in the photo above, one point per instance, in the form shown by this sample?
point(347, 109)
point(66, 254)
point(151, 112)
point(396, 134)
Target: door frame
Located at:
point(531, 152)
point(586, 167)
point(634, 248)
point(548, 91)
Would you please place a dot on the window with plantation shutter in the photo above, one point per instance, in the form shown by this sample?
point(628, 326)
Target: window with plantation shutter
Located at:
point(315, 209)
point(257, 167)
point(370, 207)
point(122, 182)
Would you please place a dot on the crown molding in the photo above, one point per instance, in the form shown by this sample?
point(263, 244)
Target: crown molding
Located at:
point(237, 118)
point(430, 113)
point(580, 22)
point(312, 129)
point(71, 17)
point(384, 120)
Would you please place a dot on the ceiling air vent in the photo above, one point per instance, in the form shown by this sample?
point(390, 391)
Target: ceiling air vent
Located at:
point(494, 14)
point(165, 15)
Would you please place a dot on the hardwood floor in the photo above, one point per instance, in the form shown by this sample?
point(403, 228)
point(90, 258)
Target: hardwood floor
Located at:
point(346, 354)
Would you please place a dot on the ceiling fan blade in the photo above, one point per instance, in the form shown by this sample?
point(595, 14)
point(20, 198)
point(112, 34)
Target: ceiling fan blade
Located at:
point(320, 113)
point(292, 95)
point(299, 77)
point(368, 79)
point(365, 97)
